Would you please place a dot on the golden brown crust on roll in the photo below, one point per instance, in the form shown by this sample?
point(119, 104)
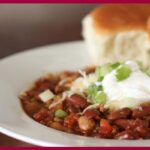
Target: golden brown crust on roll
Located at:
point(112, 18)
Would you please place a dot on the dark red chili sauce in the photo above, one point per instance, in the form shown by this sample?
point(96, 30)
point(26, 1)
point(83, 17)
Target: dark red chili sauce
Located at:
point(96, 122)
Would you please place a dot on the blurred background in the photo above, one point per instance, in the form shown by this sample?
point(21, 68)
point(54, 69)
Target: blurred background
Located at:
point(24, 26)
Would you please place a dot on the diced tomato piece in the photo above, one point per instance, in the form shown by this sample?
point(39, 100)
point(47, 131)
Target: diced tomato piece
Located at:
point(41, 115)
point(105, 129)
point(71, 120)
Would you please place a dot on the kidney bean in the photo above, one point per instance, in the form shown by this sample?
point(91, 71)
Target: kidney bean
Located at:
point(142, 131)
point(120, 114)
point(73, 109)
point(124, 135)
point(92, 114)
point(85, 124)
point(77, 101)
point(122, 123)
point(105, 129)
point(52, 86)
point(139, 127)
point(141, 111)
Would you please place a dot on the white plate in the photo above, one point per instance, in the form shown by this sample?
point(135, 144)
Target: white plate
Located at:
point(18, 71)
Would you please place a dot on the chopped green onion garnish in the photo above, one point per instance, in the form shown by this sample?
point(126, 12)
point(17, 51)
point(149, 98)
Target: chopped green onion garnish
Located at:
point(148, 72)
point(92, 91)
point(60, 113)
point(102, 71)
point(96, 94)
point(101, 78)
point(100, 97)
point(140, 63)
point(123, 72)
point(99, 74)
point(141, 66)
point(94, 88)
point(113, 66)
point(99, 88)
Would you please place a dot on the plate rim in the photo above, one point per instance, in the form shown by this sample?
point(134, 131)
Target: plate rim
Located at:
point(33, 141)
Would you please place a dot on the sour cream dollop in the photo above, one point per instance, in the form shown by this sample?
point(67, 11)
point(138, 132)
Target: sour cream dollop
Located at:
point(130, 92)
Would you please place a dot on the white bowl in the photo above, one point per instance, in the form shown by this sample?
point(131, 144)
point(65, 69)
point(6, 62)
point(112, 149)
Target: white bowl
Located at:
point(20, 70)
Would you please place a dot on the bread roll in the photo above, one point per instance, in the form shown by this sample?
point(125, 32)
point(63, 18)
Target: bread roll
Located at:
point(115, 32)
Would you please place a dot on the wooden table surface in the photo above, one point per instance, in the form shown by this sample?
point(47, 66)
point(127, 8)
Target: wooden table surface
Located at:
point(24, 26)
